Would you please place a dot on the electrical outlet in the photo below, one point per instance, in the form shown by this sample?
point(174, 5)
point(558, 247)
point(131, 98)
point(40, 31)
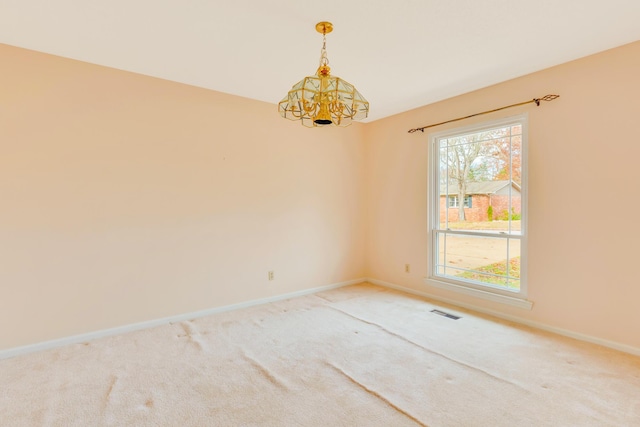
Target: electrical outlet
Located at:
point(407, 268)
point(270, 275)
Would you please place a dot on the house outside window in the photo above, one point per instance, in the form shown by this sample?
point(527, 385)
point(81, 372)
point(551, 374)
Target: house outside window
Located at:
point(479, 248)
point(482, 195)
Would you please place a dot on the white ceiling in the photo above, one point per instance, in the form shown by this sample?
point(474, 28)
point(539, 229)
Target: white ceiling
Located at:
point(400, 54)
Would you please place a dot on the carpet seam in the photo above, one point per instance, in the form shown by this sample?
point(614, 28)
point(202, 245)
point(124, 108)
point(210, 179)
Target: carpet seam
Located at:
point(376, 394)
point(430, 350)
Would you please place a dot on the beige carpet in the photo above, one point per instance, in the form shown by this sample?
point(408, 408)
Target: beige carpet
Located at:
point(356, 356)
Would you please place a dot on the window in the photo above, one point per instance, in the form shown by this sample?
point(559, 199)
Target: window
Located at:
point(480, 251)
point(453, 201)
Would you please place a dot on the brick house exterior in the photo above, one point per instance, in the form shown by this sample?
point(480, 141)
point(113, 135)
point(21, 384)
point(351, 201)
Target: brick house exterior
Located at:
point(480, 195)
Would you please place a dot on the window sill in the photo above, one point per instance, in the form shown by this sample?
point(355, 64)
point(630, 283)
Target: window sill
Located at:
point(478, 293)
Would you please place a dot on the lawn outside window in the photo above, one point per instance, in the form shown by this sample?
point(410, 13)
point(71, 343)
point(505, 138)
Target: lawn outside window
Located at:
point(479, 248)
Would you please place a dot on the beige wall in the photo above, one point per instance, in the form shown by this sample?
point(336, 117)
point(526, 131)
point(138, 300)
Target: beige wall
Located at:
point(582, 267)
point(125, 198)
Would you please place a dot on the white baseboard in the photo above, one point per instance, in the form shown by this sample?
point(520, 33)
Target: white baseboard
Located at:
point(564, 332)
point(13, 352)
point(90, 336)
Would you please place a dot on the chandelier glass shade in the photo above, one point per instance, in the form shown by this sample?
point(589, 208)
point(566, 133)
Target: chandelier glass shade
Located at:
point(323, 99)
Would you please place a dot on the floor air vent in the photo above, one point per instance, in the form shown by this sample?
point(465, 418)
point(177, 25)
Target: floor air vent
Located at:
point(442, 313)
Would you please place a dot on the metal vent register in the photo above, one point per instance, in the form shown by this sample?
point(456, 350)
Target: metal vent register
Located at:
point(445, 314)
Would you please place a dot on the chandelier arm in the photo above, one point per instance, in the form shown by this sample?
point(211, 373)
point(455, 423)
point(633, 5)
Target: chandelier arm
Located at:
point(309, 107)
point(297, 116)
point(339, 110)
point(301, 113)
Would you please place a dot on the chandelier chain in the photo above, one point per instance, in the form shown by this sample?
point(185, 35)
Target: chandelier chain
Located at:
point(323, 52)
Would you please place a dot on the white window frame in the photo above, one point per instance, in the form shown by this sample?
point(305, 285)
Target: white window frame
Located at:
point(516, 298)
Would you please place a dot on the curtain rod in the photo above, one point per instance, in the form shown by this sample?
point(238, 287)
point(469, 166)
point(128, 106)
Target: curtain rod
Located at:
point(536, 100)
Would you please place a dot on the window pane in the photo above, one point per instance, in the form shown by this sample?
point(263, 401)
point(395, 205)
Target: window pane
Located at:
point(479, 259)
point(484, 168)
point(516, 159)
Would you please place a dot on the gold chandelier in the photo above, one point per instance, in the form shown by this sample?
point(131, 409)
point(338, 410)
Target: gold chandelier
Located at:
point(323, 99)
